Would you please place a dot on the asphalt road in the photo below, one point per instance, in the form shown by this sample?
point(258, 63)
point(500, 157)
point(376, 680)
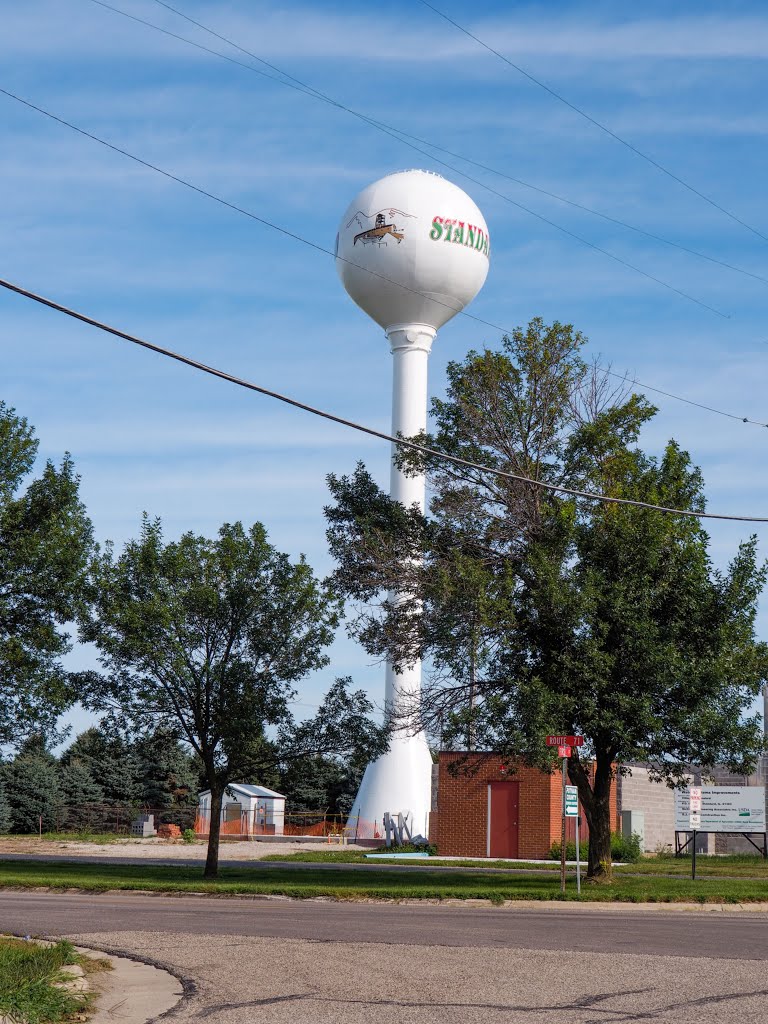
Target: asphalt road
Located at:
point(687, 933)
point(289, 962)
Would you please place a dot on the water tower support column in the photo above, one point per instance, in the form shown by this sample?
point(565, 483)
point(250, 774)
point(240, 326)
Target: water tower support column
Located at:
point(411, 345)
point(401, 780)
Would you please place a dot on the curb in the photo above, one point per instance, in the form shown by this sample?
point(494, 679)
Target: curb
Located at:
point(134, 991)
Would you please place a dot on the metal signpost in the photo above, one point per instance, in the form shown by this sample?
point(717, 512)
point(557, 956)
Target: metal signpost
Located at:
point(694, 820)
point(572, 811)
point(565, 745)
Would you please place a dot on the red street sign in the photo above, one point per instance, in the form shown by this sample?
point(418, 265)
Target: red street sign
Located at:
point(564, 751)
point(565, 741)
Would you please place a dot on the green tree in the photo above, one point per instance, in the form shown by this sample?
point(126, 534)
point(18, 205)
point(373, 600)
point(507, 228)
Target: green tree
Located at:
point(31, 782)
point(45, 542)
point(110, 761)
point(548, 614)
point(206, 637)
point(5, 809)
point(322, 759)
point(166, 770)
point(79, 792)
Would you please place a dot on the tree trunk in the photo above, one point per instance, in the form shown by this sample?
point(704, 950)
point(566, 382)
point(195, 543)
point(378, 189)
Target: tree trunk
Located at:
point(214, 832)
point(596, 801)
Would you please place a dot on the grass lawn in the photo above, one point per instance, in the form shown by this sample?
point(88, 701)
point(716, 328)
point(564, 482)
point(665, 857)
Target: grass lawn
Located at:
point(420, 883)
point(357, 857)
point(731, 866)
point(28, 973)
point(734, 866)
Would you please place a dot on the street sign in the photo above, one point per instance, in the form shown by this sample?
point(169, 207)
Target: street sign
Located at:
point(564, 751)
point(565, 741)
point(571, 802)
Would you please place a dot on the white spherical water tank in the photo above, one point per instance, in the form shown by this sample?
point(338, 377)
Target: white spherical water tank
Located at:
point(412, 248)
point(412, 251)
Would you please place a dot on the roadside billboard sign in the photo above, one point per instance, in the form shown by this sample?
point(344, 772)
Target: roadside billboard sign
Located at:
point(720, 809)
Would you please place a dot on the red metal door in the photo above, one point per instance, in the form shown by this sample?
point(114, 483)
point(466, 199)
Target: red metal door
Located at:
point(503, 804)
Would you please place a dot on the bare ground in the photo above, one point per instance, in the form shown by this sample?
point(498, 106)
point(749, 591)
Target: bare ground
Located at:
point(153, 848)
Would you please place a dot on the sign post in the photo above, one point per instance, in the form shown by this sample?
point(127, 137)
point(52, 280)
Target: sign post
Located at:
point(565, 745)
point(572, 811)
point(694, 818)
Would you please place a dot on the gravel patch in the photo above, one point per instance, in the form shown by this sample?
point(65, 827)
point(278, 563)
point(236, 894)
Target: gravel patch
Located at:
point(154, 848)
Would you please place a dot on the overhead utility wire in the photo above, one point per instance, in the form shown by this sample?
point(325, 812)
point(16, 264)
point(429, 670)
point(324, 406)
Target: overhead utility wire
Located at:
point(399, 441)
point(241, 209)
point(308, 90)
point(319, 248)
point(594, 121)
point(301, 86)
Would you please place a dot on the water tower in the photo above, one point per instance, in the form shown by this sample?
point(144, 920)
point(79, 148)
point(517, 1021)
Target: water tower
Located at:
point(412, 251)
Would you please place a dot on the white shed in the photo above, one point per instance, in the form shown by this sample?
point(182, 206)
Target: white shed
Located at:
point(245, 810)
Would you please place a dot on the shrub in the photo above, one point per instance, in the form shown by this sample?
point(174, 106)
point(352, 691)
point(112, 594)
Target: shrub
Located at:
point(409, 848)
point(626, 848)
point(570, 850)
point(188, 835)
point(623, 848)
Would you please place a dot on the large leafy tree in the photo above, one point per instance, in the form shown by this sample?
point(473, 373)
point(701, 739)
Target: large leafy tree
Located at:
point(45, 543)
point(544, 613)
point(207, 637)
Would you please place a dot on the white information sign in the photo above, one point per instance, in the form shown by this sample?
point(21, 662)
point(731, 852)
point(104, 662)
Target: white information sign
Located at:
point(720, 809)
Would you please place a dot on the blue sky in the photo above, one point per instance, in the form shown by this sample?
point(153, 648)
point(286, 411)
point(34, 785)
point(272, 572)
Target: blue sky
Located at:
point(87, 227)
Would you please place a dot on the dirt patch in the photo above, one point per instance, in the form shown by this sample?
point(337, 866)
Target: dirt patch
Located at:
point(152, 848)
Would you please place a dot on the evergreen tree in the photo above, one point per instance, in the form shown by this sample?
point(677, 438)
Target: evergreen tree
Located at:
point(167, 773)
point(5, 810)
point(308, 783)
point(32, 791)
point(111, 763)
point(79, 793)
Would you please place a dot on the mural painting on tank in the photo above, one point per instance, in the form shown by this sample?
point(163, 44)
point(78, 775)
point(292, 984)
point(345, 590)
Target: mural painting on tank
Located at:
point(379, 228)
point(382, 227)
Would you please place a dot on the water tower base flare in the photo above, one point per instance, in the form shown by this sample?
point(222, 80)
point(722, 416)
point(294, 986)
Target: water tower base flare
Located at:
point(399, 781)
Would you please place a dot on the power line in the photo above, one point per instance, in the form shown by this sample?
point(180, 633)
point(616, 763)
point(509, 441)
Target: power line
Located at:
point(319, 248)
point(241, 209)
point(396, 134)
point(300, 86)
point(399, 441)
point(594, 121)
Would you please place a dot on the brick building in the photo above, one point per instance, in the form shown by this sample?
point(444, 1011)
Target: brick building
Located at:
point(490, 811)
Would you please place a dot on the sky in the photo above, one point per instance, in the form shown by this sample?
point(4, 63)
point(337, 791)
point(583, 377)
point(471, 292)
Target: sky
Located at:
point(89, 228)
